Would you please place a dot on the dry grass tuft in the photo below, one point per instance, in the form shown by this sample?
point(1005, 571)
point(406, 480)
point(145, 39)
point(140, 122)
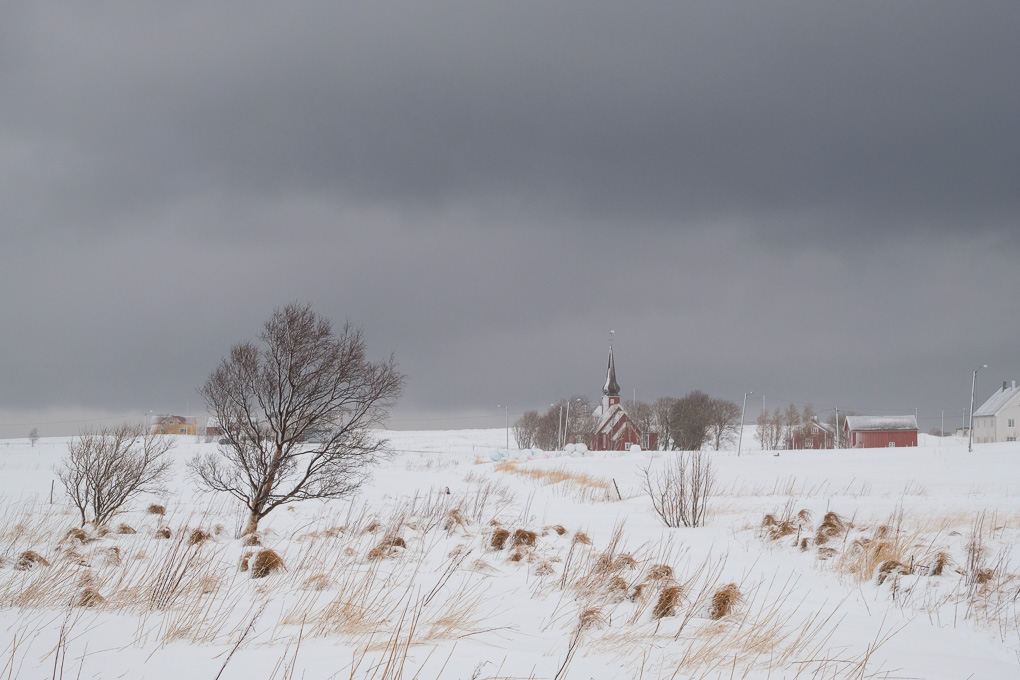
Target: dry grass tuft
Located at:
point(827, 553)
point(316, 582)
point(372, 527)
point(525, 538)
point(804, 515)
point(198, 536)
point(776, 528)
point(558, 529)
point(266, 562)
point(724, 600)
point(591, 618)
point(111, 556)
point(516, 556)
point(387, 548)
point(251, 540)
point(582, 538)
point(942, 560)
point(544, 568)
point(125, 529)
point(637, 592)
point(103, 530)
point(984, 575)
point(30, 560)
point(669, 598)
point(90, 597)
point(242, 565)
point(155, 509)
point(832, 526)
point(162, 532)
point(453, 520)
point(499, 538)
point(616, 589)
point(77, 534)
point(624, 561)
point(660, 572)
point(890, 567)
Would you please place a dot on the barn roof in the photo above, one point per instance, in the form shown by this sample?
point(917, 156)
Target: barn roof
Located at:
point(998, 400)
point(881, 423)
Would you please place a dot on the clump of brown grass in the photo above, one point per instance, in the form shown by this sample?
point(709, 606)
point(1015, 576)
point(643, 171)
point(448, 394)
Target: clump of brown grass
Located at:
point(775, 528)
point(891, 567)
point(155, 509)
point(525, 538)
point(832, 526)
point(544, 568)
point(637, 592)
point(942, 560)
point(89, 597)
point(669, 598)
point(316, 582)
point(499, 538)
point(242, 565)
point(30, 559)
point(386, 548)
point(516, 556)
point(984, 575)
point(103, 530)
point(111, 556)
point(251, 540)
point(266, 562)
point(162, 532)
point(827, 553)
point(125, 529)
point(591, 618)
point(624, 561)
point(616, 589)
point(724, 600)
point(453, 520)
point(804, 543)
point(198, 536)
point(804, 515)
point(660, 572)
point(558, 529)
point(76, 534)
point(372, 527)
point(582, 538)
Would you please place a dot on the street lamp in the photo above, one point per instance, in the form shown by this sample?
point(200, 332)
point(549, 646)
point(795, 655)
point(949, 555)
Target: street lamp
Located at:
point(973, 381)
point(506, 413)
point(566, 425)
point(740, 438)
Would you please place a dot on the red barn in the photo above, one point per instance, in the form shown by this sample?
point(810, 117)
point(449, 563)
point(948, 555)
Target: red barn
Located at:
point(869, 432)
point(812, 435)
point(614, 431)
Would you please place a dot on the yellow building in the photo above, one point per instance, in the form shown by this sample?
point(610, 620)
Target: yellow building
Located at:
point(171, 424)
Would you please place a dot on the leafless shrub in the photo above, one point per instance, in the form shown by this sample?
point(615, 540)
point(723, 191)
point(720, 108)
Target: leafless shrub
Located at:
point(669, 598)
point(266, 562)
point(681, 491)
point(155, 509)
point(30, 560)
point(499, 538)
point(106, 468)
point(525, 538)
point(724, 600)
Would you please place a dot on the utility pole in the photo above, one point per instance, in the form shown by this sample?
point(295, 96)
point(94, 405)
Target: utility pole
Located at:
point(740, 437)
point(973, 382)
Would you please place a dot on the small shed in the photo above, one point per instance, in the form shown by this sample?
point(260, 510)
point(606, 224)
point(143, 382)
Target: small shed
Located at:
point(870, 432)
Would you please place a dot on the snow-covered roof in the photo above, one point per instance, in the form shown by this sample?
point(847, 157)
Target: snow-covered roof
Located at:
point(865, 423)
point(998, 400)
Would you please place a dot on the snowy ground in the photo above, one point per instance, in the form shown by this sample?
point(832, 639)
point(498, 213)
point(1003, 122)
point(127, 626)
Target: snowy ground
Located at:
point(580, 603)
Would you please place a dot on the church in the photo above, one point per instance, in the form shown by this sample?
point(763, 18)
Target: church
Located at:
point(615, 431)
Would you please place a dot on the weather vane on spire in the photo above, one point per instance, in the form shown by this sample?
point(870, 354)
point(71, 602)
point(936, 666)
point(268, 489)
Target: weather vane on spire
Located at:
point(611, 337)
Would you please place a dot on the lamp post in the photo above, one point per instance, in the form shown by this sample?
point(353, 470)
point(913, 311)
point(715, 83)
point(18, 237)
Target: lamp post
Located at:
point(740, 437)
point(506, 413)
point(973, 382)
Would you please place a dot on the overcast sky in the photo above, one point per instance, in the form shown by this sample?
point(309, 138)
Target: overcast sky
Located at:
point(816, 201)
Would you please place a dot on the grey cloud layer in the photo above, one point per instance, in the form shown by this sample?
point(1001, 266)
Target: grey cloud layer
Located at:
point(712, 178)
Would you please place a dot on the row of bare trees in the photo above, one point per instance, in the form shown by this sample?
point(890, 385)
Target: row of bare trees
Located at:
point(569, 421)
point(788, 428)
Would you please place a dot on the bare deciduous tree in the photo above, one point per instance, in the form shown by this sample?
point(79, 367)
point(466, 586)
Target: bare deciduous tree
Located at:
point(526, 429)
point(689, 421)
point(106, 468)
point(680, 492)
point(302, 382)
point(724, 421)
point(662, 408)
point(33, 436)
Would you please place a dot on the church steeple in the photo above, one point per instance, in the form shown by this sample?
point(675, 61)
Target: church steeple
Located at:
point(611, 388)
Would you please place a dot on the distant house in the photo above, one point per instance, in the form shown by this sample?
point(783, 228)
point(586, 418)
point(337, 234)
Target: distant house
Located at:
point(868, 432)
point(996, 420)
point(812, 435)
point(171, 424)
point(615, 431)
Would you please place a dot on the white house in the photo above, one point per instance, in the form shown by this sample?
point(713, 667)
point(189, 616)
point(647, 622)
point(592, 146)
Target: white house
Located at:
point(996, 420)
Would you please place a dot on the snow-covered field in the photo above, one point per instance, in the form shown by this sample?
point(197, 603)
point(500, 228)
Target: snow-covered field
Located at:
point(582, 602)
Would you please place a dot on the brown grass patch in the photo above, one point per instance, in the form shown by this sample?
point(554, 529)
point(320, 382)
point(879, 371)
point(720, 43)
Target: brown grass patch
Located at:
point(90, 597)
point(30, 559)
point(266, 562)
point(669, 598)
point(76, 534)
point(372, 527)
point(198, 536)
point(724, 600)
point(660, 572)
point(553, 475)
point(125, 529)
point(942, 560)
point(499, 538)
point(637, 592)
point(316, 582)
point(242, 565)
point(155, 509)
point(832, 526)
point(251, 540)
point(558, 529)
point(525, 538)
point(891, 567)
point(624, 561)
point(453, 520)
point(583, 538)
point(544, 568)
point(616, 588)
point(162, 532)
point(591, 618)
point(516, 556)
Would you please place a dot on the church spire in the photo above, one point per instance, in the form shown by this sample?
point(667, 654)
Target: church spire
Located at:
point(611, 388)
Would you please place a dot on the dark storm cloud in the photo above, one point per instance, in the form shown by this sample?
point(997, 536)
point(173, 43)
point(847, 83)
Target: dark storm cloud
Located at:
point(787, 194)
